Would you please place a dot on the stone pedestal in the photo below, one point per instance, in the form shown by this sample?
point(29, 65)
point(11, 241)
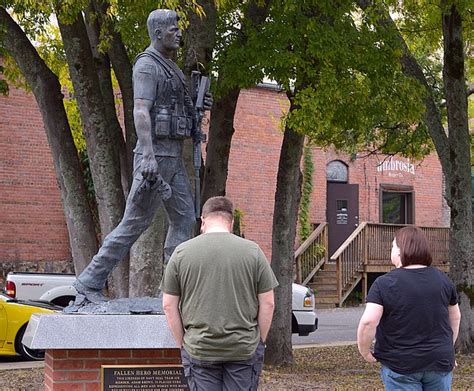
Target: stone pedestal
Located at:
point(78, 345)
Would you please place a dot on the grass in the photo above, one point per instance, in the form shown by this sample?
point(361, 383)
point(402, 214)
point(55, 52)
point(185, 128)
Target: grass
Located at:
point(342, 368)
point(318, 368)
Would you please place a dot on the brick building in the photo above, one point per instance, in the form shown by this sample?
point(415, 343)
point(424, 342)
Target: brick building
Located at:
point(33, 226)
point(408, 192)
point(347, 189)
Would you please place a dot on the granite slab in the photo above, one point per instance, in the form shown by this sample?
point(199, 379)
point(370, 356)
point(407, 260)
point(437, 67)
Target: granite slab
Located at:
point(98, 331)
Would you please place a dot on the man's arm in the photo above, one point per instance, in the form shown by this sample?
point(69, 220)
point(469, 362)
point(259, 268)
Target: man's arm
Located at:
point(173, 317)
point(141, 116)
point(266, 304)
point(454, 320)
point(366, 330)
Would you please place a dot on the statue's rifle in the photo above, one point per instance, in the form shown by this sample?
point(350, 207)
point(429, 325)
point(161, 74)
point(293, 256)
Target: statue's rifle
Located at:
point(200, 86)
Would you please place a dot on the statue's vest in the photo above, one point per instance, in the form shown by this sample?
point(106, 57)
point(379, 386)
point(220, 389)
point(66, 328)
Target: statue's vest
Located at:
point(172, 112)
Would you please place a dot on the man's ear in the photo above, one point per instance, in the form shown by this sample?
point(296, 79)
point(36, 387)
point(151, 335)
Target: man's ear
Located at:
point(158, 33)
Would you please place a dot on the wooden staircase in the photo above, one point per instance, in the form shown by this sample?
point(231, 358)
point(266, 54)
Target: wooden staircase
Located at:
point(366, 250)
point(324, 285)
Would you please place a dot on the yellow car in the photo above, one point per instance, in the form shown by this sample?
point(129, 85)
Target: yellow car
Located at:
point(14, 317)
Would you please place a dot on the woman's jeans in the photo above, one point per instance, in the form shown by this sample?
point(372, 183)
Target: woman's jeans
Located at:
point(417, 381)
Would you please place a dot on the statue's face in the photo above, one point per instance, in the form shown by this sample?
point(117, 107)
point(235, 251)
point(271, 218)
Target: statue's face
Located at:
point(171, 37)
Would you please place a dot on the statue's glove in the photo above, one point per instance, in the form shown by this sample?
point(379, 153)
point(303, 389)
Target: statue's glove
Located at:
point(208, 100)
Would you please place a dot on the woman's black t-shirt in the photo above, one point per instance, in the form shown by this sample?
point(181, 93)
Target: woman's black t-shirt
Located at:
point(414, 333)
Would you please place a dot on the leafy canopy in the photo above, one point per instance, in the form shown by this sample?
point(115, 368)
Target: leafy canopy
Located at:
point(341, 72)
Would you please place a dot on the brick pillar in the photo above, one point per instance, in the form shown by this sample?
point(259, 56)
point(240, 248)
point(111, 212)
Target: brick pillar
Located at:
point(79, 369)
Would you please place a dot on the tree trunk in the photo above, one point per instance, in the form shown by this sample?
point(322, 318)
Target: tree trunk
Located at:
point(104, 161)
point(221, 130)
point(123, 71)
point(285, 214)
point(459, 184)
point(199, 39)
point(454, 153)
point(221, 127)
point(118, 283)
point(102, 64)
point(47, 91)
point(146, 258)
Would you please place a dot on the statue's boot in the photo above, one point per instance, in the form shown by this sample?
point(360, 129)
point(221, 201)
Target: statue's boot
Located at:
point(90, 294)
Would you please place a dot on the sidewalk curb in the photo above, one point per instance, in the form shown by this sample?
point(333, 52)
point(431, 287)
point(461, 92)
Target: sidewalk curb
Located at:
point(324, 345)
point(8, 366)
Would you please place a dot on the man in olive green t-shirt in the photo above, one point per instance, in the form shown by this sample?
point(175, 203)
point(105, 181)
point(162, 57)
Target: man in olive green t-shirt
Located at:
point(218, 300)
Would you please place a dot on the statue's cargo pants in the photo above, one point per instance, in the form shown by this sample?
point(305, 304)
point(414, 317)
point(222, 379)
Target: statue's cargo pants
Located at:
point(139, 212)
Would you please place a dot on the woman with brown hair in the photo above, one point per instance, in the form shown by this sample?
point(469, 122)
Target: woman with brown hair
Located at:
point(414, 315)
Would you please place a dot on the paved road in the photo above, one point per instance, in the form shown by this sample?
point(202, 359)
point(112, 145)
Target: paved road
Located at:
point(336, 326)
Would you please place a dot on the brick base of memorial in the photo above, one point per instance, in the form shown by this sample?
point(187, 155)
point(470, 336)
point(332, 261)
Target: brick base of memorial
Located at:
point(75, 369)
point(106, 352)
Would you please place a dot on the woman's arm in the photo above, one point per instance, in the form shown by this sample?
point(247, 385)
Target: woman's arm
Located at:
point(366, 330)
point(454, 320)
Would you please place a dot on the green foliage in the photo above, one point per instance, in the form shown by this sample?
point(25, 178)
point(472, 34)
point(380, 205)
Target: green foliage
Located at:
point(3, 86)
point(472, 150)
point(12, 73)
point(75, 123)
point(3, 83)
point(50, 47)
point(306, 191)
point(128, 17)
point(342, 73)
point(239, 226)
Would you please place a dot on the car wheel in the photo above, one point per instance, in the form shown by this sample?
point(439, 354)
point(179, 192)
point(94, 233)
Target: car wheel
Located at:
point(29, 354)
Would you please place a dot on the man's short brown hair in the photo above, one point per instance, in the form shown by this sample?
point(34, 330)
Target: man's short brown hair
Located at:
point(218, 205)
point(413, 247)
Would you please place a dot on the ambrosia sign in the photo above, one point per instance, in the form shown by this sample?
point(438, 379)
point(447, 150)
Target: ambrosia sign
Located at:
point(396, 165)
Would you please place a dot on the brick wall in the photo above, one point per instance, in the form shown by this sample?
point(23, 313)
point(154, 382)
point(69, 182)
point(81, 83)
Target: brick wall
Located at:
point(32, 224)
point(253, 161)
point(427, 185)
point(79, 370)
point(253, 166)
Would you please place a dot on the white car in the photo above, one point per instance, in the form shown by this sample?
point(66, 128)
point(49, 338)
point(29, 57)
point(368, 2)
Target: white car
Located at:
point(304, 319)
point(57, 289)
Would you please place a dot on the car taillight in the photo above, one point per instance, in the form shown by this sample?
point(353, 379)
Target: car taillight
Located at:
point(10, 289)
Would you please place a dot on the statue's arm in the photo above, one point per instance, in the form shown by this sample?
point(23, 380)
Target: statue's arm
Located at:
point(141, 116)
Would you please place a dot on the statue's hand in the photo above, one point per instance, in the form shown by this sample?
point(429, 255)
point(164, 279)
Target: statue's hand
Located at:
point(207, 104)
point(149, 167)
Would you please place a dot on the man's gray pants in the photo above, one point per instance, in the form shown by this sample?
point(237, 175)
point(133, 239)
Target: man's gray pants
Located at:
point(223, 375)
point(138, 217)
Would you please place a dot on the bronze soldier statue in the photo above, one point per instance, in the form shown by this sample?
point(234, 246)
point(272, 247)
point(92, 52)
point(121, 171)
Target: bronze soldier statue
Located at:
point(164, 117)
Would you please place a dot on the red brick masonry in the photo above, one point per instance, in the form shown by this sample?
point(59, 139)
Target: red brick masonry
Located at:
point(79, 369)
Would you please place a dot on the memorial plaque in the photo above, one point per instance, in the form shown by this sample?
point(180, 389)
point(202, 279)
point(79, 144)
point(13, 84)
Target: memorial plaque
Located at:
point(143, 377)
